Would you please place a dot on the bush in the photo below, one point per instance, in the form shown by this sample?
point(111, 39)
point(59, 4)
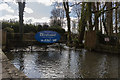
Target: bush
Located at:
point(59, 30)
point(29, 28)
point(112, 39)
point(10, 32)
point(75, 42)
point(14, 26)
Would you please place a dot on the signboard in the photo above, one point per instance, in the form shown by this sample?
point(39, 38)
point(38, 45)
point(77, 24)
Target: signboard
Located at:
point(47, 36)
point(106, 39)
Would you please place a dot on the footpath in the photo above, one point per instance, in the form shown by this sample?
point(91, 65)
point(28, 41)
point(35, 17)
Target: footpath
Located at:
point(8, 71)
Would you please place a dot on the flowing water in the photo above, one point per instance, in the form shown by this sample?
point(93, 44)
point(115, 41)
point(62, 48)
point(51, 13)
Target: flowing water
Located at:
point(68, 63)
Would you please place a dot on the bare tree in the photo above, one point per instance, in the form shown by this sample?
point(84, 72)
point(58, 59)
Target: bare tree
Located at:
point(76, 10)
point(116, 17)
point(66, 7)
point(96, 21)
point(21, 6)
point(82, 23)
point(109, 19)
point(89, 15)
point(57, 15)
point(101, 29)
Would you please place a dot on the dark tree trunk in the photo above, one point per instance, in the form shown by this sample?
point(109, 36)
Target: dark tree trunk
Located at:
point(100, 22)
point(109, 19)
point(21, 11)
point(90, 16)
point(82, 24)
point(96, 22)
point(66, 7)
point(104, 24)
point(116, 22)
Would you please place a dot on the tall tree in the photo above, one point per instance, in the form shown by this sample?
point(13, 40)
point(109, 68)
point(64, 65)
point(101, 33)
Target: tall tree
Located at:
point(89, 15)
point(109, 18)
point(21, 6)
point(104, 23)
point(55, 17)
point(76, 9)
point(101, 28)
point(66, 7)
point(116, 22)
point(96, 22)
point(82, 23)
point(57, 14)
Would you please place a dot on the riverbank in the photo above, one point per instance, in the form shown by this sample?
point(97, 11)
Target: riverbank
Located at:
point(8, 70)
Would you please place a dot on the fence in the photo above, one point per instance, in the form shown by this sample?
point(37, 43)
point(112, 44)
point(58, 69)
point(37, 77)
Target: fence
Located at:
point(94, 40)
point(28, 39)
point(3, 39)
point(90, 39)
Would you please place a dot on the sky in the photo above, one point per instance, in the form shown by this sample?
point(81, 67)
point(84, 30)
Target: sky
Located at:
point(37, 11)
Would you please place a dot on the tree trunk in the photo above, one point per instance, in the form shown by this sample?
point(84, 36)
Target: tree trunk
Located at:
point(104, 24)
point(21, 11)
point(109, 19)
point(116, 22)
point(100, 22)
point(90, 16)
point(66, 7)
point(82, 24)
point(96, 23)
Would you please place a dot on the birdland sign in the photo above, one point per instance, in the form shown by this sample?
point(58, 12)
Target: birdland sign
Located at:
point(47, 37)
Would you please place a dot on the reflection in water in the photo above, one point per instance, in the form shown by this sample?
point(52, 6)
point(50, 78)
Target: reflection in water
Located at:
point(67, 64)
point(21, 62)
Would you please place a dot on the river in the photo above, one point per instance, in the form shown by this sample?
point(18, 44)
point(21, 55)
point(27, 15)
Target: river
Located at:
point(65, 63)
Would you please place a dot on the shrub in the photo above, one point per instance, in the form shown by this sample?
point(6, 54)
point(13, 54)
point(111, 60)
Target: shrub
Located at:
point(112, 39)
point(10, 32)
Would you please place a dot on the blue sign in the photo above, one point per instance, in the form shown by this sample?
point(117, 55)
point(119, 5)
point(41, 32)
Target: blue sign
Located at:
point(47, 36)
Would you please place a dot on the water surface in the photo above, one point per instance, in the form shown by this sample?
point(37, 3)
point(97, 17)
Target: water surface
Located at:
point(68, 63)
